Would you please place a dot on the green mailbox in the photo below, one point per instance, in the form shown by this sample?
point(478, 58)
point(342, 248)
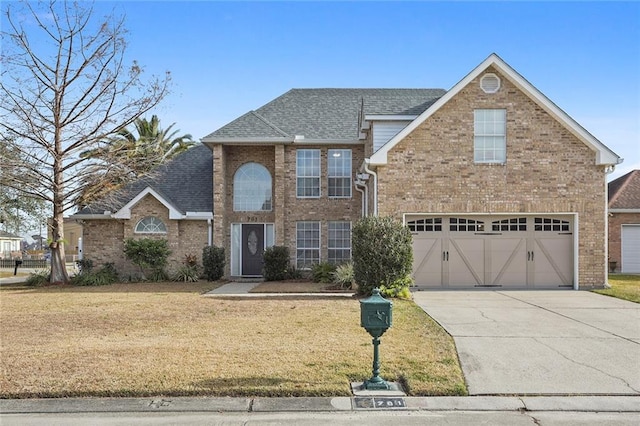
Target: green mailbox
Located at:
point(376, 314)
point(376, 318)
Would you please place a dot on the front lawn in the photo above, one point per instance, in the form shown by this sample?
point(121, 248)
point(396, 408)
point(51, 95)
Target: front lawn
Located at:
point(623, 287)
point(167, 339)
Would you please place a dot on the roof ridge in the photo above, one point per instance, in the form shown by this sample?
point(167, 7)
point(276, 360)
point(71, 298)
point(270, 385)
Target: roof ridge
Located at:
point(627, 178)
point(270, 124)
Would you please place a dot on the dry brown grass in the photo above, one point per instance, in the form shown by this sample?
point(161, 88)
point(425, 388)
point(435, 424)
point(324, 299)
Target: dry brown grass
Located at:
point(166, 339)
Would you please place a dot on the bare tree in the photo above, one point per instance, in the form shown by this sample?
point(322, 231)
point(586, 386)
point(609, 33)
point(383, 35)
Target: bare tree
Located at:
point(64, 89)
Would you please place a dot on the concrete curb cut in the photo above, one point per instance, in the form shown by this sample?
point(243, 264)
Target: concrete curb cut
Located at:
point(612, 404)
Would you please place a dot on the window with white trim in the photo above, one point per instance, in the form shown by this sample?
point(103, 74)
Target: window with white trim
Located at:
point(150, 225)
point(490, 136)
point(339, 173)
point(308, 173)
point(252, 188)
point(339, 243)
point(307, 244)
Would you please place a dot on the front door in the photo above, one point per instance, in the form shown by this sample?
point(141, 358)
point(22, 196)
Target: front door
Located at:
point(252, 249)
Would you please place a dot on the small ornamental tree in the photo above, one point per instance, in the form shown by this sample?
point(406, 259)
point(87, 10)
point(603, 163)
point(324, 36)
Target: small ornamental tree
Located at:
point(148, 254)
point(382, 255)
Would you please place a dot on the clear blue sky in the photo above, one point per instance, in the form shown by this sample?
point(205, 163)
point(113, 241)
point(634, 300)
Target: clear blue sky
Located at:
point(227, 58)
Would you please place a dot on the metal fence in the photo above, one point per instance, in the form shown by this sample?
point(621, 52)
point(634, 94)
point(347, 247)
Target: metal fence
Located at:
point(27, 263)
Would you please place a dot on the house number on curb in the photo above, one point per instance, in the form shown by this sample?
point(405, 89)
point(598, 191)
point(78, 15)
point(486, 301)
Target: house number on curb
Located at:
point(157, 403)
point(379, 403)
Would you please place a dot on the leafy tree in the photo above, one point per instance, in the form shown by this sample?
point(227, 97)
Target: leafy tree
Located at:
point(65, 88)
point(382, 255)
point(134, 155)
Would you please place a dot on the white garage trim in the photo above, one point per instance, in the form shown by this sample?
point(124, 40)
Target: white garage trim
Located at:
point(529, 250)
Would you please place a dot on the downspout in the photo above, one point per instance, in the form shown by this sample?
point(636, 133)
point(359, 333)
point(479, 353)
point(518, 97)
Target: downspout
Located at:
point(375, 185)
point(607, 171)
point(357, 185)
point(209, 233)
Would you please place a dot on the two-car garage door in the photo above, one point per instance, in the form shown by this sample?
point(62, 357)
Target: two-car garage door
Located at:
point(492, 251)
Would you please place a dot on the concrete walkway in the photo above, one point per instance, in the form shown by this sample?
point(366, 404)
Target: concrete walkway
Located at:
point(541, 342)
point(243, 290)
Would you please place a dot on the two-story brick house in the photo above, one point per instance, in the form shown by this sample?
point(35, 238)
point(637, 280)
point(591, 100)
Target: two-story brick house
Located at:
point(497, 184)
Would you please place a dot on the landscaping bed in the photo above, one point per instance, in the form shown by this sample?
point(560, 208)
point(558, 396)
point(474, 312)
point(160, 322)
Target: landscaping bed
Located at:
point(153, 339)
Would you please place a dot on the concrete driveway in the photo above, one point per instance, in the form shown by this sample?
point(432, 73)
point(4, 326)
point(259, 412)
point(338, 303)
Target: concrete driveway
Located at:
point(541, 342)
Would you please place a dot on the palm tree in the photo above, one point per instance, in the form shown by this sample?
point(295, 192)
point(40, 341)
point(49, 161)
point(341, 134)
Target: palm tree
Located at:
point(132, 156)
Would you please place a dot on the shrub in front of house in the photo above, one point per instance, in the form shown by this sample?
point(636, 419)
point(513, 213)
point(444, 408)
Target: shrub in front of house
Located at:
point(382, 255)
point(150, 255)
point(38, 278)
point(213, 261)
point(106, 275)
point(189, 271)
point(343, 275)
point(277, 265)
point(323, 272)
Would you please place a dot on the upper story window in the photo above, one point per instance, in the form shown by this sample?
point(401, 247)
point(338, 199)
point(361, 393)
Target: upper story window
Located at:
point(490, 136)
point(308, 173)
point(339, 161)
point(150, 225)
point(252, 188)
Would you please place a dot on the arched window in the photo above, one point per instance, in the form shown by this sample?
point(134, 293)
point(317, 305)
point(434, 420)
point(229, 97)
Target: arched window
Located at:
point(252, 188)
point(151, 225)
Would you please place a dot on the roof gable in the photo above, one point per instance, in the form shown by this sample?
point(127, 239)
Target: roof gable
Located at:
point(624, 192)
point(604, 156)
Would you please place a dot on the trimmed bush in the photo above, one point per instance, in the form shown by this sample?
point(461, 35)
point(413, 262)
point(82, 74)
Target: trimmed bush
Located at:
point(323, 272)
point(276, 263)
point(213, 261)
point(382, 254)
point(149, 254)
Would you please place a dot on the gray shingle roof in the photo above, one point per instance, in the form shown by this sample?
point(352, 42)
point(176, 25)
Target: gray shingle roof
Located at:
point(7, 235)
point(624, 192)
point(185, 182)
point(331, 114)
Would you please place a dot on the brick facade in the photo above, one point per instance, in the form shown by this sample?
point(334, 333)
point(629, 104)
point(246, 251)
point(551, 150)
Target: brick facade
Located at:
point(280, 161)
point(104, 239)
point(547, 170)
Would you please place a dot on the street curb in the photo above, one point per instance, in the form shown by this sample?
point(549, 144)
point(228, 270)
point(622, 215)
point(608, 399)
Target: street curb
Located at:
point(614, 404)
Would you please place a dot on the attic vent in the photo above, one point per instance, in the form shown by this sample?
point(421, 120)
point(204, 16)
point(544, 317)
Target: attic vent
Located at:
point(490, 83)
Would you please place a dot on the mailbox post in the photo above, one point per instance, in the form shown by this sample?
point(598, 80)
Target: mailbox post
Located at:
point(376, 318)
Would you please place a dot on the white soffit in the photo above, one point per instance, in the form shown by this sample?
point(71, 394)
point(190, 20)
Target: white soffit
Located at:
point(604, 156)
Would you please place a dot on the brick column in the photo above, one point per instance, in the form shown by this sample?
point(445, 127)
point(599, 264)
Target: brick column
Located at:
point(279, 191)
point(219, 201)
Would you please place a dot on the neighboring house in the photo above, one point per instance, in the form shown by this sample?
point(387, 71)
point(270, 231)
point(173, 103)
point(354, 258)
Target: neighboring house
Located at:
point(72, 238)
point(10, 245)
point(499, 187)
point(624, 223)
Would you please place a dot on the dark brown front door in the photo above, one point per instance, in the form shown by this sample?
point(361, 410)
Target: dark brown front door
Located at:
point(252, 249)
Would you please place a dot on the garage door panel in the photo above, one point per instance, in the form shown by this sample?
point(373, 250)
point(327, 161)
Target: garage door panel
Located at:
point(630, 248)
point(508, 262)
point(466, 262)
point(552, 262)
point(501, 250)
point(427, 261)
